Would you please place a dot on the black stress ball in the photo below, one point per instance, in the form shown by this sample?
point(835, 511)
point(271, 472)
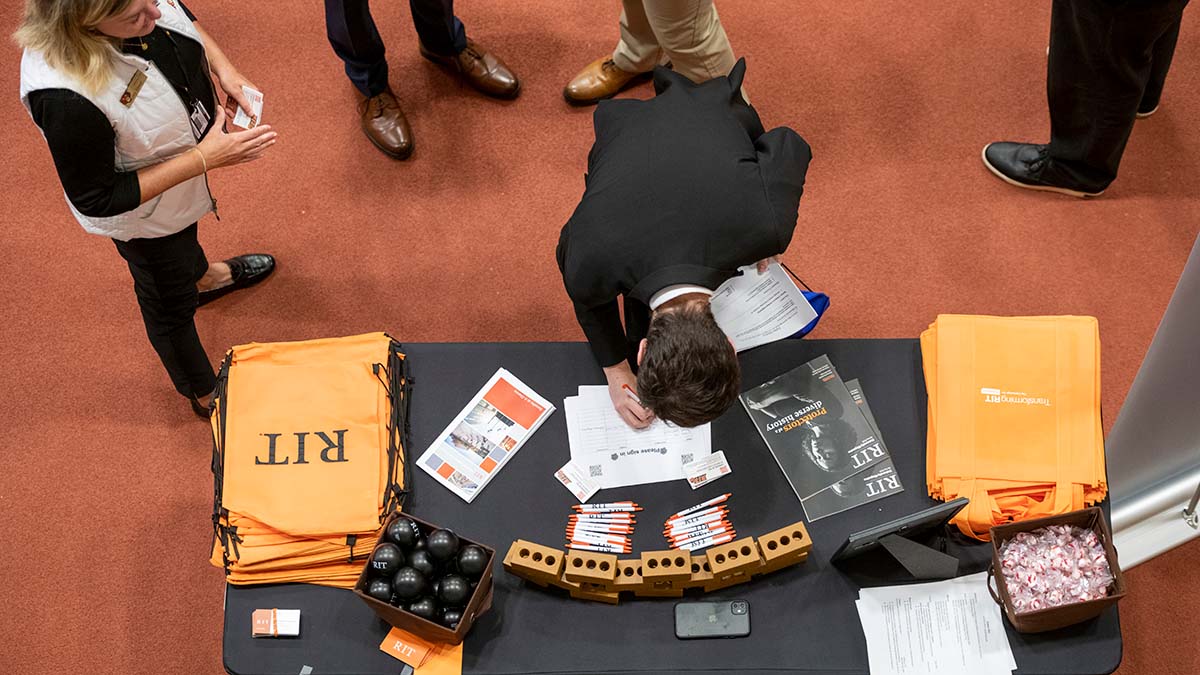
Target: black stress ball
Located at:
point(442, 545)
point(425, 608)
point(472, 561)
point(451, 617)
point(420, 561)
point(408, 583)
point(404, 533)
point(435, 588)
point(386, 559)
point(380, 589)
point(454, 591)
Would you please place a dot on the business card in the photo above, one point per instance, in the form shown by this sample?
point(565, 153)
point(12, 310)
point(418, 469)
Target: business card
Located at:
point(706, 469)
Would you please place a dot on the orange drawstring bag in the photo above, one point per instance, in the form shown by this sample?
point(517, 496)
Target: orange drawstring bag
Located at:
point(308, 456)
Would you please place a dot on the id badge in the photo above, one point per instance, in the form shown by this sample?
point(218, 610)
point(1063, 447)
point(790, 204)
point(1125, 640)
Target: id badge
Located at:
point(199, 118)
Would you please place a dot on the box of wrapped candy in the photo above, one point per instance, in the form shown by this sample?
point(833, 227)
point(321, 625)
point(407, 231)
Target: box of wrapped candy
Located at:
point(1056, 571)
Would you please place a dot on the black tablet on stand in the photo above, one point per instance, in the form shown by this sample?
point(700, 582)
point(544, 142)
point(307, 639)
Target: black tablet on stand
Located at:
point(920, 560)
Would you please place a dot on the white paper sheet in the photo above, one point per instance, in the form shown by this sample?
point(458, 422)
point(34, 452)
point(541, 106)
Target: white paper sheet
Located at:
point(754, 309)
point(940, 628)
point(617, 455)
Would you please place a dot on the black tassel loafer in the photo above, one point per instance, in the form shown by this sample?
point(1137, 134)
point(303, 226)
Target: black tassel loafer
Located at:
point(246, 270)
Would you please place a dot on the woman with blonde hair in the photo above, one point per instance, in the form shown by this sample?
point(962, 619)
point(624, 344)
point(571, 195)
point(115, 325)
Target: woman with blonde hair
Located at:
point(123, 91)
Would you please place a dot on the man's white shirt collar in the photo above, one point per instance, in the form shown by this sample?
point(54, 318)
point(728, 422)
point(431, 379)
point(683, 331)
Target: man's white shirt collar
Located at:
point(674, 291)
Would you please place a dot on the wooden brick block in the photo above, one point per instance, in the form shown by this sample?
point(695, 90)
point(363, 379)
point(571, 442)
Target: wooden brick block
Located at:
point(537, 563)
point(629, 576)
point(586, 591)
point(589, 567)
point(701, 573)
point(780, 563)
point(736, 556)
point(785, 543)
point(672, 566)
point(512, 552)
point(727, 580)
point(660, 589)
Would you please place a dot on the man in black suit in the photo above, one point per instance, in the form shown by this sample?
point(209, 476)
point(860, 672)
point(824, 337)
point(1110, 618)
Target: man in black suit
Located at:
point(681, 190)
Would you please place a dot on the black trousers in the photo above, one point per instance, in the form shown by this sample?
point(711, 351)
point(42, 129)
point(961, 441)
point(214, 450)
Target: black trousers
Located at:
point(1108, 59)
point(356, 40)
point(165, 271)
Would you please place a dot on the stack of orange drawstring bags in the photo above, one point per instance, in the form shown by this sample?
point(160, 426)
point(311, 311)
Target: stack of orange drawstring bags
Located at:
point(308, 457)
point(1014, 416)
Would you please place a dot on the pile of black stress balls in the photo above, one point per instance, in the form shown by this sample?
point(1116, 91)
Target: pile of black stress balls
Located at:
point(430, 575)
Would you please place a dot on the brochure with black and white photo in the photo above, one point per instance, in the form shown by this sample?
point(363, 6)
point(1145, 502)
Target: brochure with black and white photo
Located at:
point(813, 427)
point(860, 398)
point(875, 482)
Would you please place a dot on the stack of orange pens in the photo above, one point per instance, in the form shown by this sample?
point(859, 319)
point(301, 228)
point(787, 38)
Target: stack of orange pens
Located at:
point(604, 528)
point(700, 526)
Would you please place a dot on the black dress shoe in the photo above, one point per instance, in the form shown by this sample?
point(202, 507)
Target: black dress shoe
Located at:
point(247, 270)
point(1024, 164)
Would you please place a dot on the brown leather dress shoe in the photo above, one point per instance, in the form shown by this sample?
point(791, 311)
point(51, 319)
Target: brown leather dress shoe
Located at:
point(384, 123)
point(601, 79)
point(481, 69)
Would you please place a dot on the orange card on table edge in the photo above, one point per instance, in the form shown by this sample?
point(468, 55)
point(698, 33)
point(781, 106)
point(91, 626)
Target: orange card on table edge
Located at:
point(425, 657)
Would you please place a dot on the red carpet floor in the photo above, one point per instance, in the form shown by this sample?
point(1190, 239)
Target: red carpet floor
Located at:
point(106, 490)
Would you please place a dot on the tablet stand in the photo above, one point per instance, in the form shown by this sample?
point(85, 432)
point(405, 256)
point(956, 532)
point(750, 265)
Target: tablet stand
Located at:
point(921, 561)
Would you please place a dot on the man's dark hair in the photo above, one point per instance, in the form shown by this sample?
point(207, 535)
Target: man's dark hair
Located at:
point(689, 373)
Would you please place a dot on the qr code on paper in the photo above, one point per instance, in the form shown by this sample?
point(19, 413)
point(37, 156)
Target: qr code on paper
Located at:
point(687, 459)
point(595, 471)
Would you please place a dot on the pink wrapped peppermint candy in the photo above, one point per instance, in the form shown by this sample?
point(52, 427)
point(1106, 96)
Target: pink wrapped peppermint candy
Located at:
point(1053, 566)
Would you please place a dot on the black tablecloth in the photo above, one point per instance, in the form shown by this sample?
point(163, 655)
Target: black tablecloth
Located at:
point(803, 618)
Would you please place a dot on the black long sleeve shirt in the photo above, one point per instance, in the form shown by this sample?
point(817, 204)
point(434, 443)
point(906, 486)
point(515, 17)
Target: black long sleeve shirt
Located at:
point(81, 138)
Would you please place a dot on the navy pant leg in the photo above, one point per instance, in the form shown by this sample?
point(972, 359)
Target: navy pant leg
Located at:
point(440, 31)
point(356, 40)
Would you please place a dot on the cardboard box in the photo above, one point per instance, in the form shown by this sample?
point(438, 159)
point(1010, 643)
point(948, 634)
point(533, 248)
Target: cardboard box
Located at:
point(479, 603)
point(1063, 615)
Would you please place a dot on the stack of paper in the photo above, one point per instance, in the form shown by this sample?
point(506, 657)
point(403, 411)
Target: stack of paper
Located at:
point(820, 433)
point(940, 628)
point(754, 309)
point(608, 453)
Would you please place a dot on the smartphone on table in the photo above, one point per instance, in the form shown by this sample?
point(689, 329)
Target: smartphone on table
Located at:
point(712, 619)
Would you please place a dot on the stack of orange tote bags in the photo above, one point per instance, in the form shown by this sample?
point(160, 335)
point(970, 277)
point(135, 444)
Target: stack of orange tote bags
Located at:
point(1014, 416)
point(308, 457)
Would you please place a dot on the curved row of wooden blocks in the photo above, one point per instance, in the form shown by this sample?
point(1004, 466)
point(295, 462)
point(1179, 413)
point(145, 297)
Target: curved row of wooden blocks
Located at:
point(664, 574)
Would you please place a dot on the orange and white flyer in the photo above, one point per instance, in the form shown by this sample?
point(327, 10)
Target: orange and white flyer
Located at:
point(485, 435)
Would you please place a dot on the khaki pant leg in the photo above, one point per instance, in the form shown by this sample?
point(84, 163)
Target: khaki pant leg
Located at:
point(638, 50)
point(690, 33)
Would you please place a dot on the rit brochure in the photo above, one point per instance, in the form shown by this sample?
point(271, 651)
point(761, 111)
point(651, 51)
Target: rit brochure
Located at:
point(830, 451)
point(485, 435)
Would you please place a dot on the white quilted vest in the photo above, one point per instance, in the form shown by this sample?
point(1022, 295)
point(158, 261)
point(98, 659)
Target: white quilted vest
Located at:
point(152, 129)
